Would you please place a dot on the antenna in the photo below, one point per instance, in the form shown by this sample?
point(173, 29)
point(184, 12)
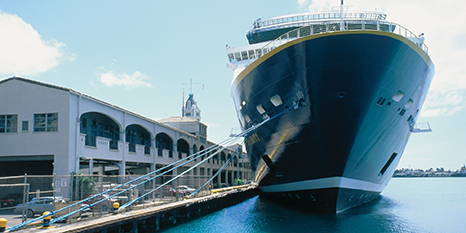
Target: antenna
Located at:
point(182, 104)
point(341, 16)
point(190, 94)
point(190, 85)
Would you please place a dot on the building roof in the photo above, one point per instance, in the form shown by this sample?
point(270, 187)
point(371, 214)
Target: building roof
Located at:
point(96, 100)
point(178, 119)
point(34, 82)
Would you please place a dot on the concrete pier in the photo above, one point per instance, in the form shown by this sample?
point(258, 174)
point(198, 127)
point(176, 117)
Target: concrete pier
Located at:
point(154, 218)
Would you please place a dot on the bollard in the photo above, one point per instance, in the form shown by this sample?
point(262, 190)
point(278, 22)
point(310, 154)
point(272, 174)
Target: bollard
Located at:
point(3, 222)
point(46, 223)
point(115, 206)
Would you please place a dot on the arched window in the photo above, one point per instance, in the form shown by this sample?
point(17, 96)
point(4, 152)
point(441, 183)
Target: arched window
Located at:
point(203, 153)
point(182, 147)
point(135, 134)
point(164, 142)
point(94, 124)
point(194, 150)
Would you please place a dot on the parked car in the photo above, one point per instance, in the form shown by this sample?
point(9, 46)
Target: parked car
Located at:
point(57, 198)
point(168, 191)
point(38, 206)
point(184, 189)
point(11, 199)
point(105, 205)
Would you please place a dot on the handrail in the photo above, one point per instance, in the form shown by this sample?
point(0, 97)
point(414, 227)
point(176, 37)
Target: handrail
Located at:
point(218, 172)
point(176, 177)
point(316, 16)
point(324, 27)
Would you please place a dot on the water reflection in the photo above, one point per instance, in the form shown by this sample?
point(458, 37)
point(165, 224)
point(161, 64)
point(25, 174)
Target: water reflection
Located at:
point(263, 215)
point(401, 208)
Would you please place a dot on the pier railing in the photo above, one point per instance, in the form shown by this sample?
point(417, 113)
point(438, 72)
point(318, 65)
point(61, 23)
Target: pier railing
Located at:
point(250, 53)
point(23, 189)
point(86, 194)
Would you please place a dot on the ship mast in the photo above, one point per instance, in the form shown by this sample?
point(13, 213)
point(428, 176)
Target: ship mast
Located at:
point(341, 16)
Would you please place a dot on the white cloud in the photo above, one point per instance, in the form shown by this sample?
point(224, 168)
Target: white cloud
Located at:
point(447, 50)
point(302, 4)
point(22, 49)
point(445, 103)
point(111, 78)
point(315, 5)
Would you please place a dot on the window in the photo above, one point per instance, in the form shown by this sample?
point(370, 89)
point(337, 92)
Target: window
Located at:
point(46, 122)
point(260, 108)
point(2, 124)
point(131, 139)
point(52, 121)
point(39, 122)
point(25, 126)
point(398, 95)
point(410, 118)
point(402, 112)
point(8, 123)
point(381, 101)
point(409, 103)
point(276, 100)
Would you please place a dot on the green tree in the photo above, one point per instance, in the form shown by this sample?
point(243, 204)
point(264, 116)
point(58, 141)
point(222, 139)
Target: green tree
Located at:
point(85, 185)
point(238, 181)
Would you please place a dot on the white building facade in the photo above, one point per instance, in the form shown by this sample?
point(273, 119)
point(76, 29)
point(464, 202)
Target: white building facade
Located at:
point(46, 129)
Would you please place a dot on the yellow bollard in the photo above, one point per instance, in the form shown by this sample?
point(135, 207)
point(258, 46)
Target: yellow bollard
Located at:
point(46, 223)
point(3, 222)
point(115, 205)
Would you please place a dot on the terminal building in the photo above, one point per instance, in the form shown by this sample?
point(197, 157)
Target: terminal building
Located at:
point(47, 129)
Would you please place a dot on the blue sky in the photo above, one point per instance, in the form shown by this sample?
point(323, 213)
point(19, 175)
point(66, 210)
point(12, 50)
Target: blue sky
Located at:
point(139, 54)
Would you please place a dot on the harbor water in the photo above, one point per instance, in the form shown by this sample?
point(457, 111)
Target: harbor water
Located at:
point(406, 205)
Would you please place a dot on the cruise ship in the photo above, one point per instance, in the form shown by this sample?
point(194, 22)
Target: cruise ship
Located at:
point(339, 92)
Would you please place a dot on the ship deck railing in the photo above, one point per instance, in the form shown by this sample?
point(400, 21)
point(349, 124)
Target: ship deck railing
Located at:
point(252, 52)
point(305, 18)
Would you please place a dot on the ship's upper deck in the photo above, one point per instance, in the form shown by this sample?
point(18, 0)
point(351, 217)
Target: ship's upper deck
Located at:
point(266, 35)
point(265, 30)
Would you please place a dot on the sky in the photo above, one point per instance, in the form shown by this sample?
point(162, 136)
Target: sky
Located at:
point(141, 55)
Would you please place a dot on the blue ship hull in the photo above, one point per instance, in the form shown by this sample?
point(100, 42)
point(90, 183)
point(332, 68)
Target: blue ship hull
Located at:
point(340, 144)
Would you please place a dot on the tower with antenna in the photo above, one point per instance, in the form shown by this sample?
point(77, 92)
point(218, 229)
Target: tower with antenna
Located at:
point(190, 108)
